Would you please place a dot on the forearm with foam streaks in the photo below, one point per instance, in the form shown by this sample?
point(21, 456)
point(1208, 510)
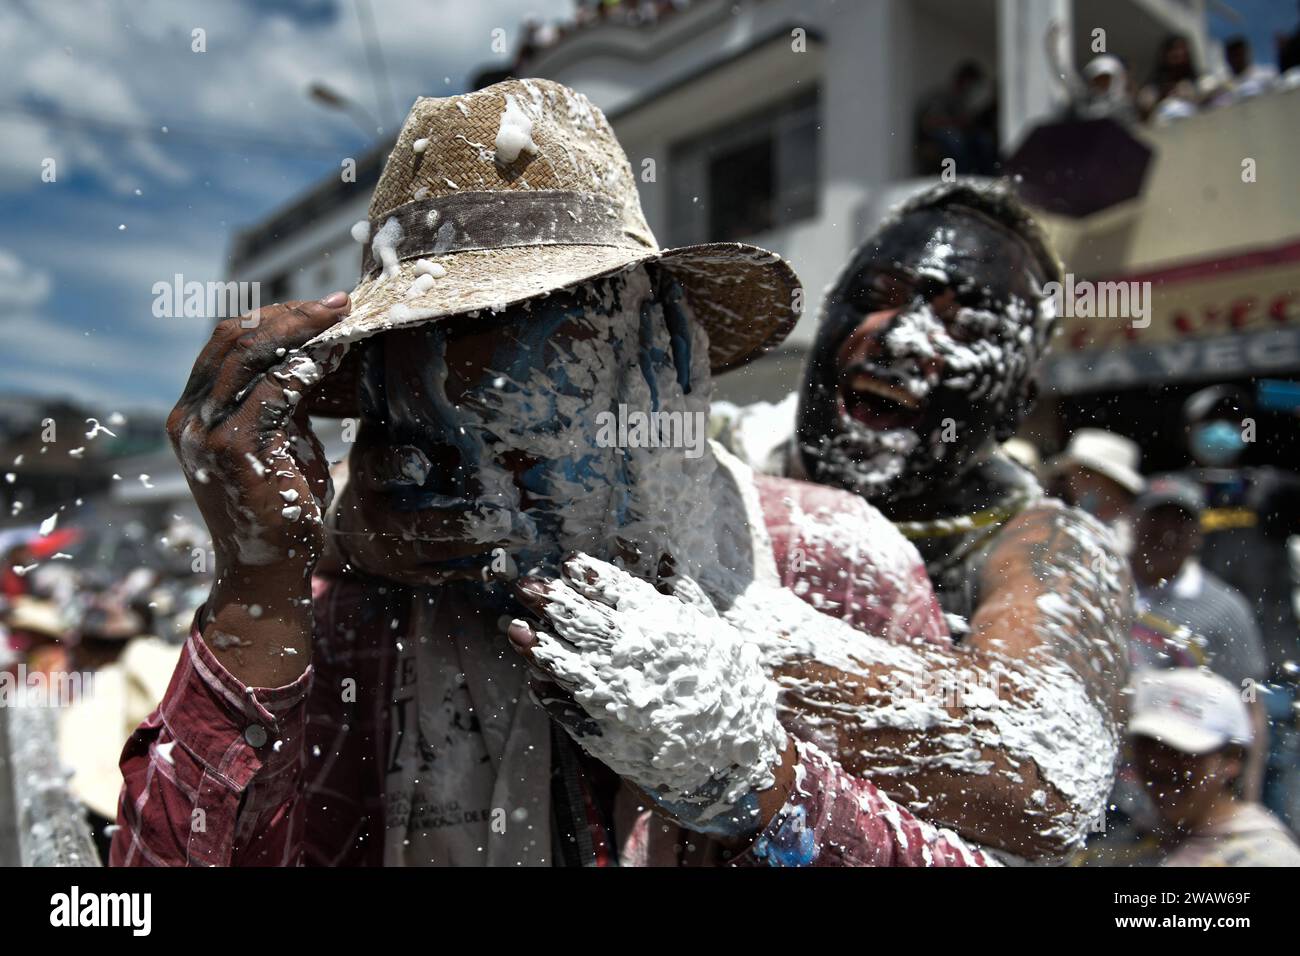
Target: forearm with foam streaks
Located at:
point(1011, 751)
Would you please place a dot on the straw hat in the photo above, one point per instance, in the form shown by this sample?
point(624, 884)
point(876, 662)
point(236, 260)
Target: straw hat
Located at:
point(520, 189)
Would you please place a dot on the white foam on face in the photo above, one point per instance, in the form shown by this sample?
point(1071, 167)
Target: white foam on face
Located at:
point(680, 697)
point(515, 134)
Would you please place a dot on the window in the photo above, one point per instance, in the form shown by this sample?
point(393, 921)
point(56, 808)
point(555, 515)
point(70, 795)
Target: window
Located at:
point(742, 189)
point(747, 176)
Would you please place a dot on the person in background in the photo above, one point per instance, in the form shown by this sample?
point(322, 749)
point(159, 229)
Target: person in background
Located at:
point(1101, 90)
point(1250, 514)
point(1173, 89)
point(1098, 472)
point(125, 673)
point(1172, 584)
point(1191, 733)
point(924, 363)
point(1244, 78)
point(1105, 92)
point(957, 123)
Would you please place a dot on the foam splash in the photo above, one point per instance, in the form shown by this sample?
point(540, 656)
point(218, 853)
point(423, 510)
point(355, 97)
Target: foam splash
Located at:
point(515, 134)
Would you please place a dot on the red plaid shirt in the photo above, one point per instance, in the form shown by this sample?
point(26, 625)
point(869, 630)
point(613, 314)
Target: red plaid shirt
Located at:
point(222, 774)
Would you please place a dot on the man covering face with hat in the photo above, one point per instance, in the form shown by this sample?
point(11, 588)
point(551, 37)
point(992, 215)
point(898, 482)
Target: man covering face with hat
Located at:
point(529, 628)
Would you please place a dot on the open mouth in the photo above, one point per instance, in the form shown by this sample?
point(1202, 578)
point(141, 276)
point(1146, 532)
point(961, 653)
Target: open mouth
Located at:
point(877, 402)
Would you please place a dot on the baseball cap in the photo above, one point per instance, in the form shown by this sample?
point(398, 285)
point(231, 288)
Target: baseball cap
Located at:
point(1172, 490)
point(1189, 709)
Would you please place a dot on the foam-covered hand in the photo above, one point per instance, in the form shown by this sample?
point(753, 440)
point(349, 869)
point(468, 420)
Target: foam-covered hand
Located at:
point(668, 694)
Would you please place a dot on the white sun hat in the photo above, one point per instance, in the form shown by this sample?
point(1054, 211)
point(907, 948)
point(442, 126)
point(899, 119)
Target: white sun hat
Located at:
point(1106, 453)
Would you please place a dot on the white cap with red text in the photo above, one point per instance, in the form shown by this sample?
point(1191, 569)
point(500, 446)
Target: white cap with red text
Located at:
point(1189, 709)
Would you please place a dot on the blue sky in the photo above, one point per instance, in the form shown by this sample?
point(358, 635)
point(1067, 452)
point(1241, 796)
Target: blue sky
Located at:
point(1261, 21)
point(92, 83)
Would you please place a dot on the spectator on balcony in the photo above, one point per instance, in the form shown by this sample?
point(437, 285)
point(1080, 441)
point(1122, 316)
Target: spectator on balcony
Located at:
point(959, 122)
point(1244, 78)
point(1173, 89)
point(1105, 93)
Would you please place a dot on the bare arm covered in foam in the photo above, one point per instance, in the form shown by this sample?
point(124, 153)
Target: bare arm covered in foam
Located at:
point(1008, 738)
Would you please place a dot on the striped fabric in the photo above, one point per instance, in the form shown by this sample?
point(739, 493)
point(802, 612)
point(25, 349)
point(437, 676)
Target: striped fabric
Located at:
point(1215, 613)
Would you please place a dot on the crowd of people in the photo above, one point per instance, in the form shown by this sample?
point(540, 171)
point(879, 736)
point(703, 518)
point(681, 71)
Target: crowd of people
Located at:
point(1177, 85)
point(855, 629)
point(1211, 557)
point(95, 642)
point(958, 121)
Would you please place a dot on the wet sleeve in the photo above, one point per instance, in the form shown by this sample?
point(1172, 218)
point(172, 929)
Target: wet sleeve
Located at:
point(212, 777)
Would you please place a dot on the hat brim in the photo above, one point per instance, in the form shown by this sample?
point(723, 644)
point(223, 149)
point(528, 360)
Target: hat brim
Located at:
point(746, 298)
point(1176, 733)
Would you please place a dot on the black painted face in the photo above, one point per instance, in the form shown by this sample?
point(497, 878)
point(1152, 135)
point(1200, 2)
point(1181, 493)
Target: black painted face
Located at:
point(925, 352)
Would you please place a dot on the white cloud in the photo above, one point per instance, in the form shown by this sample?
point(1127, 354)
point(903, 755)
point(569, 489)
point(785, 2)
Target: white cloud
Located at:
point(75, 291)
point(21, 287)
point(132, 63)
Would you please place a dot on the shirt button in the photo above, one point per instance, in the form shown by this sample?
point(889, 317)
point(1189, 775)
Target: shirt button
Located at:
point(255, 735)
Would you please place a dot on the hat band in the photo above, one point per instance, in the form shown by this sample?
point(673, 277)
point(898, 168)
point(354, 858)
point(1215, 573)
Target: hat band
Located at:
point(469, 221)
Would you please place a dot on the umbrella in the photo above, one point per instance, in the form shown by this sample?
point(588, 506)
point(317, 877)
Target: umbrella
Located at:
point(1077, 167)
